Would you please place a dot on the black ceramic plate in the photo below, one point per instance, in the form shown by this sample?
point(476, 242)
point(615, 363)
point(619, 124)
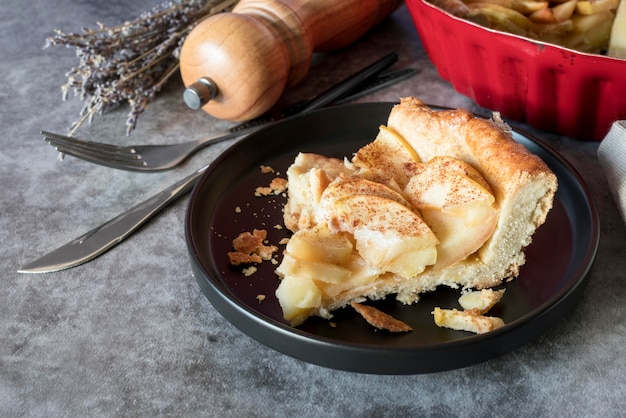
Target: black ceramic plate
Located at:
point(552, 280)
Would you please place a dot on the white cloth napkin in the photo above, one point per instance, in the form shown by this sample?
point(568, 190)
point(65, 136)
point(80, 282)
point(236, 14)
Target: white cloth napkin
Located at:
point(612, 157)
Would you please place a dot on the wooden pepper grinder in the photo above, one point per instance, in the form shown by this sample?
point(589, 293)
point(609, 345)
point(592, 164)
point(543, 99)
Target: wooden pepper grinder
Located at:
point(236, 65)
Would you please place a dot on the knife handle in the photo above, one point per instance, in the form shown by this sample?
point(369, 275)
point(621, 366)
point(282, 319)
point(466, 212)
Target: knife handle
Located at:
point(236, 65)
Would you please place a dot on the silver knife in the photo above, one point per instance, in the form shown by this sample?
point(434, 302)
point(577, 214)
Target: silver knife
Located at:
point(102, 238)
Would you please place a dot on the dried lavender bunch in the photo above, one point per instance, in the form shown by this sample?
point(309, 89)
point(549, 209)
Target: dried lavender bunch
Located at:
point(132, 61)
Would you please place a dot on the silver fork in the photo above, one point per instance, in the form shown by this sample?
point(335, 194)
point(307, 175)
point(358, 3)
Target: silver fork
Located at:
point(165, 157)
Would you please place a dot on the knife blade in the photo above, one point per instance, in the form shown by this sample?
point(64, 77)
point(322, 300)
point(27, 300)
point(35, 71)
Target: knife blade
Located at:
point(104, 237)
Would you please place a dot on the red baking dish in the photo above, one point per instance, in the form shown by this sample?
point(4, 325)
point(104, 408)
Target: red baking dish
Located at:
point(549, 87)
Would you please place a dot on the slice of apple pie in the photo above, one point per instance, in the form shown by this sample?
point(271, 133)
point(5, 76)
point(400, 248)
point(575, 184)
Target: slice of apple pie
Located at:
point(438, 198)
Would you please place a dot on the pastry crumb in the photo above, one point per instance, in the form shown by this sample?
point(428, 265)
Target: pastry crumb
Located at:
point(239, 258)
point(250, 248)
point(249, 271)
point(262, 191)
point(380, 319)
point(468, 320)
point(472, 319)
point(260, 298)
point(277, 186)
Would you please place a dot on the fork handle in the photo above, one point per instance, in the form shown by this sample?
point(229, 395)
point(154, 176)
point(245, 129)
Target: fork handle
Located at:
point(246, 58)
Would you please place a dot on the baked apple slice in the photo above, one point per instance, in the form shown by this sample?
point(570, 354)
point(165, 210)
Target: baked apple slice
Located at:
point(389, 159)
point(457, 204)
point(388, 234)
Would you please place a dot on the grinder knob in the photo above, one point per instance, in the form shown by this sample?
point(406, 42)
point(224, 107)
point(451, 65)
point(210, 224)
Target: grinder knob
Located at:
point(199, 93)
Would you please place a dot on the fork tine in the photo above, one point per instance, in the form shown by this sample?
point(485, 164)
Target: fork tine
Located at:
point(68, 140)
point(123, 158)
point(95, 150)
point(99, 158)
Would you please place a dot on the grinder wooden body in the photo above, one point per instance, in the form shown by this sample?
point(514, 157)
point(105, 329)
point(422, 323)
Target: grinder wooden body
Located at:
point(252, 53)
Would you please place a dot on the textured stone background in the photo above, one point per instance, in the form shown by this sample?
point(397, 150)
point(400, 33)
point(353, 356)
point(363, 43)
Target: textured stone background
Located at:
point(130, 334)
